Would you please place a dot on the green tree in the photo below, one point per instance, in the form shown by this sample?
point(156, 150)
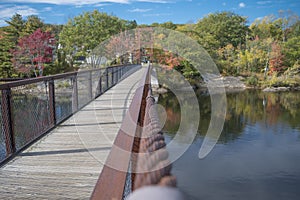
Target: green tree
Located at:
point(16, 27)
point(291, 48)
point(32, 23)
point(267, 27)
point(83, 33)
point(256, 57)
point(8, 40)
point(169, 25)
point(292, 51)
point(222, 29)
point(129, 24)
point(228, 57)
point(288, 20)
point(277, 28)
point(6, 43)
point(294, 30)
point(221, 34)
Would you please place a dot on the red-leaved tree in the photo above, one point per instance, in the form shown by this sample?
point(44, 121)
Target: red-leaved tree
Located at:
point(33, 51)
point(276, 58)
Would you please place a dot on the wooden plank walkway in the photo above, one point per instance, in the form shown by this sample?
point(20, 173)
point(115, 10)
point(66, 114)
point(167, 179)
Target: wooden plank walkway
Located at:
point(67, 162)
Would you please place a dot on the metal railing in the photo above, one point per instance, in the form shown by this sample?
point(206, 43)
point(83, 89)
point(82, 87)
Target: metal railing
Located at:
point(146, 158)
point(32, 107)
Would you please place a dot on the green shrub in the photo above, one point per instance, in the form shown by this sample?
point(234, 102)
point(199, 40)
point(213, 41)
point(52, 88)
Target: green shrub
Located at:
point(282, 81)
point(252, 81)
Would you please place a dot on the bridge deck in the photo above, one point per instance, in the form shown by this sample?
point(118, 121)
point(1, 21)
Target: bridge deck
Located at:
point(66, 163)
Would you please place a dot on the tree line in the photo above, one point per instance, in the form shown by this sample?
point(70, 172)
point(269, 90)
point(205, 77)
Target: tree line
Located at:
point(31, 48)
point(269, 47)
point(265, 53)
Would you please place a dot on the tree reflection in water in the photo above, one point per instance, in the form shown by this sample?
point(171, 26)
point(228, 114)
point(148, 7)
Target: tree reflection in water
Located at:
point(243, 108)
point(257, 155)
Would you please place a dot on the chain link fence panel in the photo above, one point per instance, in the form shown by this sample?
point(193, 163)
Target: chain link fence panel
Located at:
point(84, 90)
point(30, 111)
point(63, 98)
point(2, 142)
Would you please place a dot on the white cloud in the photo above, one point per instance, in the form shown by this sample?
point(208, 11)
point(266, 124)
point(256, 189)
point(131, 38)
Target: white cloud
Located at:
point(242, 5)
point(154, 1)
point(59, 14)
point(101, 4)
point(140, 10)
point(224, 4)
point(263, 2)
point(157, 14)
point(47, 9)
point(85, 2)
point(25, 11)
point(8, 11)
point(68, 2)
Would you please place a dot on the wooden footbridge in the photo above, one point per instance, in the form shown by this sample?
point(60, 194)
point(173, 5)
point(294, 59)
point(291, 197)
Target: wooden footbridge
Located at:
point(57, 145)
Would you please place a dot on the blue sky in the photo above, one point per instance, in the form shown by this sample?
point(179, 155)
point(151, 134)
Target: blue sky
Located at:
point(143, 11)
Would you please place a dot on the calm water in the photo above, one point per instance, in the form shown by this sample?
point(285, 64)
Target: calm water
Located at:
point(257, 155)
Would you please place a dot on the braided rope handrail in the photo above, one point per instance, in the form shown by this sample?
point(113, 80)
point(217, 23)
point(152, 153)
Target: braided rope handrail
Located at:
point(152, 159)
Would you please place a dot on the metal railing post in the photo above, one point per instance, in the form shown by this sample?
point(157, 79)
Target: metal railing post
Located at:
point(100, 85)
point(112, 76)
point(107, 81)
point(7, 120)
point(52, 102)
point(90, 85)
point(112, 79)
point(116, 75)
point(75, 95)
point(120, 73)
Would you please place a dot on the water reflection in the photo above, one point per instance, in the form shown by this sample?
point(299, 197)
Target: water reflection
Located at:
point(257, 155)
point(243, 108)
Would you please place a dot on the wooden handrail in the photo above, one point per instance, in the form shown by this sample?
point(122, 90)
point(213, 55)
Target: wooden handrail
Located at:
point(112, 180)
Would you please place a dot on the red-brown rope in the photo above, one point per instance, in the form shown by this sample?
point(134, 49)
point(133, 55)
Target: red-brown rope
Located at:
point(152, 161)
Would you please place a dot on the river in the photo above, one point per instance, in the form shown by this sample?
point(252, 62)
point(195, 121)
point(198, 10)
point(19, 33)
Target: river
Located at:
point(257, 155)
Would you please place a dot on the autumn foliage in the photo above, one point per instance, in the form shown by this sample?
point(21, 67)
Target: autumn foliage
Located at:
point(276, 58)
point(33, 52)
point(167, 59)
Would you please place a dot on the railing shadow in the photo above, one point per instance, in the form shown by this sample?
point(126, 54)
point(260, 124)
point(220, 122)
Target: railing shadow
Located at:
point(68, 151)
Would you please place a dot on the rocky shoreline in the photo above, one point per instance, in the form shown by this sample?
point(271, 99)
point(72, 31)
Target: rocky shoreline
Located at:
point(231, 84)
point(281, 89)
